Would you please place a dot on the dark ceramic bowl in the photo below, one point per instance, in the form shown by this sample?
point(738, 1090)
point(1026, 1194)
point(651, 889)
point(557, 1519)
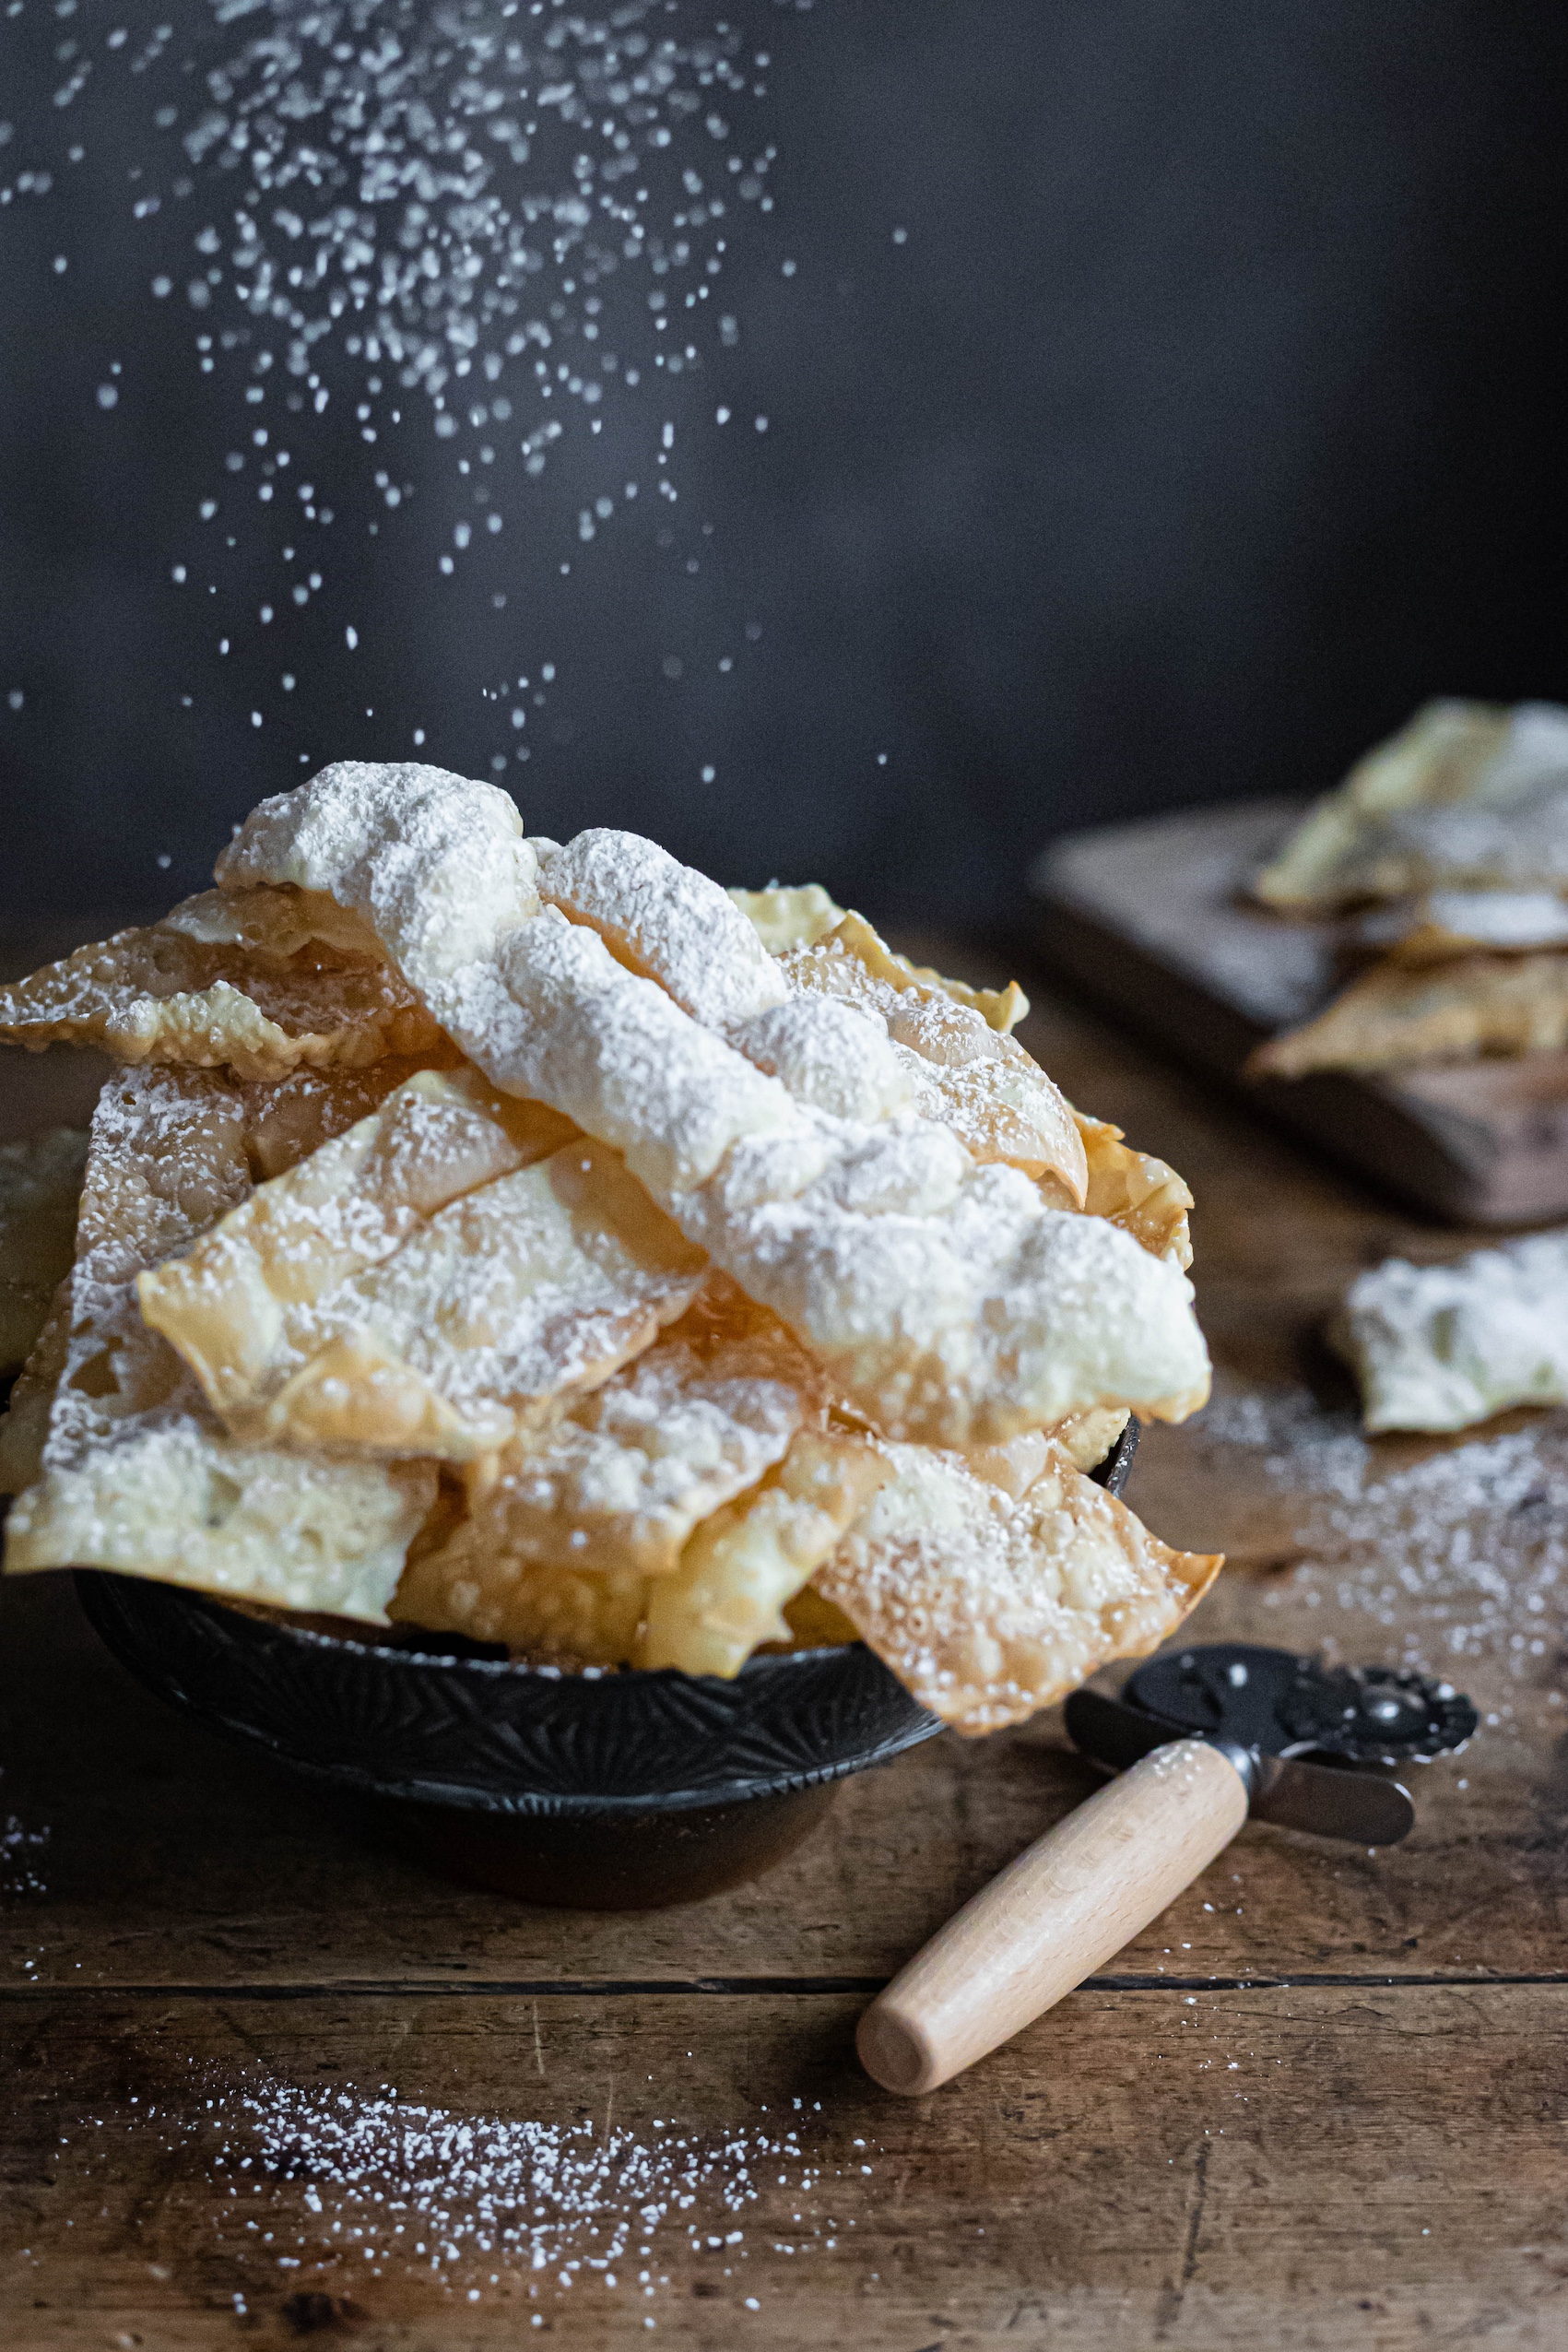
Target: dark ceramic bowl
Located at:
point(600, 1791)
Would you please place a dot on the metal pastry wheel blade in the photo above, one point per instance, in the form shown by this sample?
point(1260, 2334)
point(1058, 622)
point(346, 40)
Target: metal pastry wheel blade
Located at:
point(1199, 1740)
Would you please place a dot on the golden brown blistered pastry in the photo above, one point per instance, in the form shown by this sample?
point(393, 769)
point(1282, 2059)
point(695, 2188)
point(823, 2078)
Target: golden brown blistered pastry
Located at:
point(1398, 1015)
point(164, 994)
point(745, 1564)
point(988, 1607)
point(1136, 1191)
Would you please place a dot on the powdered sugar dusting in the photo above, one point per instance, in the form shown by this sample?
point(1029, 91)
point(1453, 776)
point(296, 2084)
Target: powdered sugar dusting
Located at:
point(437, 865)
point(668, 921)
point(333, 2187)
point(1450, 1563)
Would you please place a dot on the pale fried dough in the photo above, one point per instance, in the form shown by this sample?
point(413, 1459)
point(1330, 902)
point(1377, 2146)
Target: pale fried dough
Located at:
point(624, 1477)
point(535, 1286)
point(436, 865)
point(136, 1472)
point(783, 917)
point(225, 1306)
point(158, 994)
point(414, 1287)
point(40, 1183)
point(271, 923)
point(1445, 923)
point(745, 1564)
point(967, 1073)
point(1435, 757)
point(287, 1118)
point(667, 921)
point(944, 1300)
point(987, 1608)
point(1136, 1191)
point(1085, 1437)
point(570, 1617)
point(830, 1056)
point(1397, 1015)
point(1467, 796)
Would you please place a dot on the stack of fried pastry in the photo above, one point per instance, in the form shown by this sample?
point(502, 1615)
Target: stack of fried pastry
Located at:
point(1455, 835)
point(538, 1243)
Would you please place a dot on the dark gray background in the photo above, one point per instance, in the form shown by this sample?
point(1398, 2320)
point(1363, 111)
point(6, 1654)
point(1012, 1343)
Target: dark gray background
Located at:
point(1210, 416)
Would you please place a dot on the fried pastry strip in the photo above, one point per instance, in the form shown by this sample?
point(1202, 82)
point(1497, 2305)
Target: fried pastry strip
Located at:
point(1467, 796)
point(1136, 1191)
point(989, 1608)
point(415, 1286)
point(171, 994)
point(625, 1474)
point(1398, 1015)
point(667, 921)
point(136, 1473)
point(743, 1565)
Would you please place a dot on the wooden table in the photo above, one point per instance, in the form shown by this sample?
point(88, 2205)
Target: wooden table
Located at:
point(266, 2080)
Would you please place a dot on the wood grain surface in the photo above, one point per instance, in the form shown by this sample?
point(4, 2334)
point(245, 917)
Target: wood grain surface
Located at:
point(1321, 2103)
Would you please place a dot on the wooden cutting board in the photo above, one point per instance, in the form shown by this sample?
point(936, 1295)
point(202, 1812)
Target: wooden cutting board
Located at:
point(1149, 920)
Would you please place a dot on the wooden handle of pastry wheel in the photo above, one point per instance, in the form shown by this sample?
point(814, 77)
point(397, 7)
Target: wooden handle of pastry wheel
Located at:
point(1053, 1916)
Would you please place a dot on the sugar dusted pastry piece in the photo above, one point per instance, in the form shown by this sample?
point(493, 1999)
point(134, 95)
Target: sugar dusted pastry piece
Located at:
point(1445, 923)
point(415, 1287)
point(989, 1608)
point(785, 916)
point(743, 1565)
point(1436, 757)
point(830, 1056)
point(667, 921)
point(1466, 795)
point(1085, 1437)
point(227, 1304)
point(537, 1286)
point(626, 1473)
point(283, 1121)
point(1444, 1347)
point(966, 1073)
point(276, 923)
point(435, 865)
point(568, 1617)
point(1136, 1191)
point(287, 1118)
point(1399, 1016)
point(1001, 1008)
point(556, 1018)
point(943, 1298)
point(160, 995)
point(40, 1183)
point(135, 1474)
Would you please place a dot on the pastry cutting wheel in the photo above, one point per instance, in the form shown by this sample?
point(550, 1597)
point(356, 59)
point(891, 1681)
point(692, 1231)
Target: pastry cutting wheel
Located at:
point(1199, 1740)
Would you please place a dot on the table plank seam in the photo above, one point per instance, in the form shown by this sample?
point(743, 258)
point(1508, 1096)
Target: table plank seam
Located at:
point(590, 1988)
